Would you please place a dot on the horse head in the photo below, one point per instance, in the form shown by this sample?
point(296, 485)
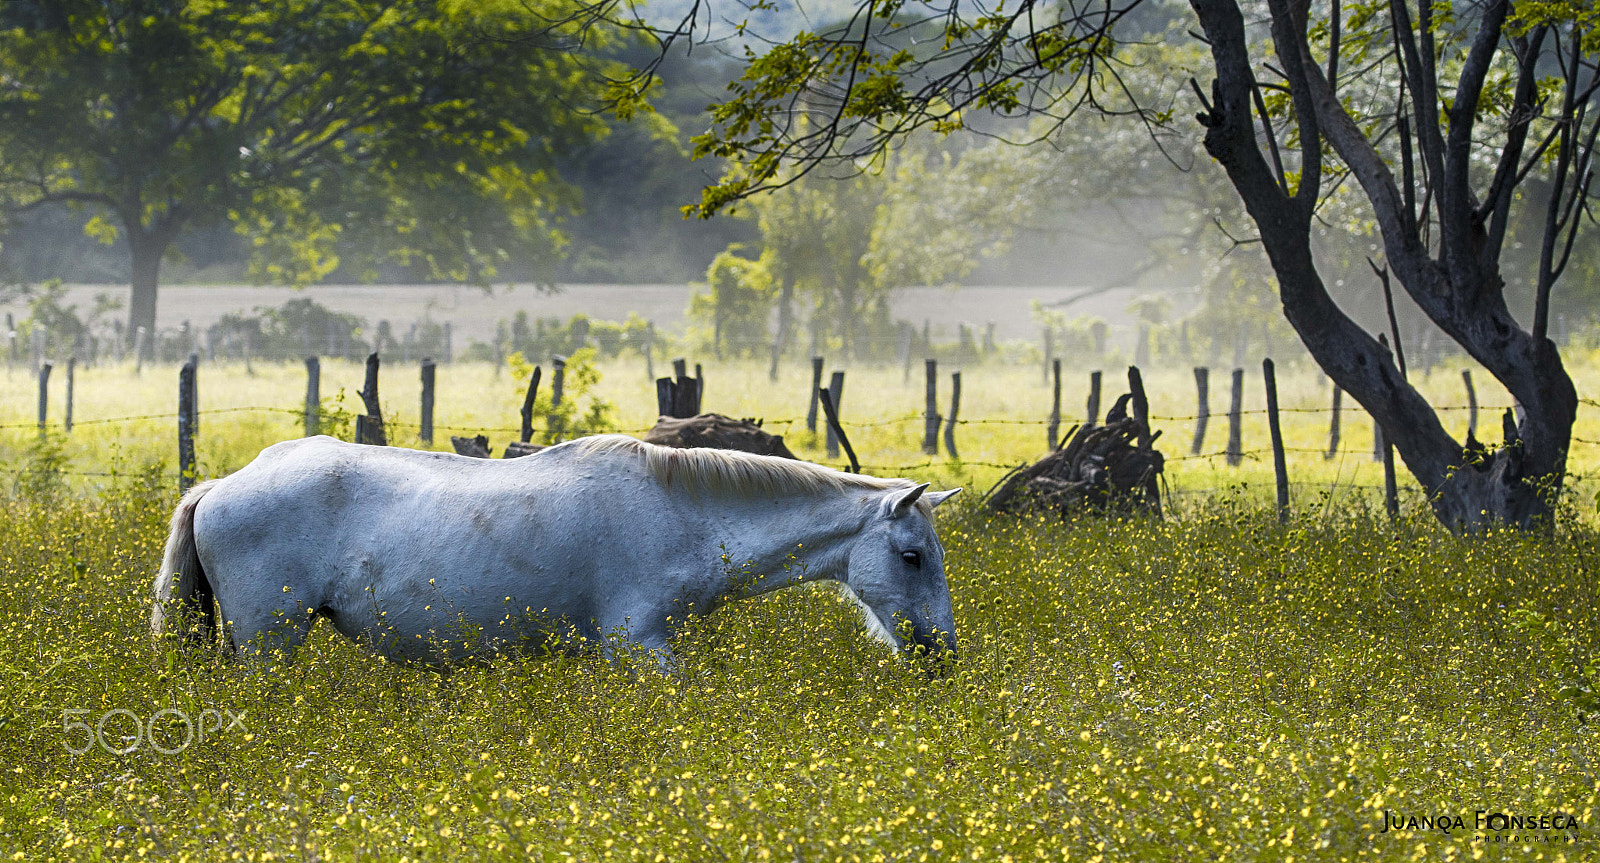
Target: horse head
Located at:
point(896, 571)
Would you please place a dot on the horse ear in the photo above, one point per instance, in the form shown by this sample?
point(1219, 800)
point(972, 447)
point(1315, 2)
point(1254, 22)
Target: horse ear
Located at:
point(899, 503)
point(937, 497)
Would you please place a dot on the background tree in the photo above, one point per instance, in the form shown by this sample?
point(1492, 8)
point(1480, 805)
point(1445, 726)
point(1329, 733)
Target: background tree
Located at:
point(419, 131)
point(1479, 100)
point(736, 302)
point(924, 216)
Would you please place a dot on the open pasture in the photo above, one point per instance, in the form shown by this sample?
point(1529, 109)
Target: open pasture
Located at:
point(1209, 686)
point(127, 422)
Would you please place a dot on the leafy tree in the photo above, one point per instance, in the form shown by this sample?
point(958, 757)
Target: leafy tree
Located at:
point(581, 412)
point(418, 131)
point(737, 301)
point(63, 328)
point(1468, 103)
point(925, 217)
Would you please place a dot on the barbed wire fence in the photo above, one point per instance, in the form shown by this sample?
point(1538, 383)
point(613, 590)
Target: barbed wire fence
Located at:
point(1234, 455)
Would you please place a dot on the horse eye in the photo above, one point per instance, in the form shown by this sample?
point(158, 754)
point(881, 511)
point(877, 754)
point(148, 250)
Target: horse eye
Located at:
point(912, 559)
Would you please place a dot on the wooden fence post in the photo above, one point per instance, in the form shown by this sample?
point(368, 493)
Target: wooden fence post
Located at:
point(699, 390)
point(816, 384)
point(664, 397)
point(186, 467)
point(1391, 490)
point(836, 394)
point(685, 395)
point(1202, 389)
point(194, 399)
point(1049, 354)
point(955, 411)
point(313, 418)
point(139, 339)
point(1054, 428)
point(906, 336)
point(1235, 408)
point(1333, 424)
point(930, 415)
point(1377, 430)
point(1385, 453)
point(1141, 406)
point(1472, 402)
point(681, 394)
point(837, 430)
point(558, 381)
point(1280, 466)
point(527, 404)
point(425, 422)
point(369, 426)
point(1093, 408)
point(44, 394)
point(650, 350)
point(72, 368)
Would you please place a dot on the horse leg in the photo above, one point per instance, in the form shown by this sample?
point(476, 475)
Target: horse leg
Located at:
point(269, 624)
point(630, 636)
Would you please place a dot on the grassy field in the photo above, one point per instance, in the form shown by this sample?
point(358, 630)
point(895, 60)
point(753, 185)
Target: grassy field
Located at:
point(1003, 410)
point(1209, 686)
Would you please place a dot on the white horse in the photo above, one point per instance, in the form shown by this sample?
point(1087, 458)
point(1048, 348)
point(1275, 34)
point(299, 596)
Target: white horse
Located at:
point(433, 557)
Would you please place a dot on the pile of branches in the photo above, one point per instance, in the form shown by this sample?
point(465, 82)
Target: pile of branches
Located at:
point(1110, 468)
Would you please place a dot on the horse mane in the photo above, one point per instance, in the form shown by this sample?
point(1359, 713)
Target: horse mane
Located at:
point(733, 472)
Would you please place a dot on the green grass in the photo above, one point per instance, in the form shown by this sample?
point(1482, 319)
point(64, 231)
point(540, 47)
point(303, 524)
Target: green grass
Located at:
point(1218, 687)
point(1004, 407)
point(1213, 686)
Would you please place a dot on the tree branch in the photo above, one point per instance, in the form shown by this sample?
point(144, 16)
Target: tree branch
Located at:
point(64, 198)
point(1457, 225)
point(1496, 207)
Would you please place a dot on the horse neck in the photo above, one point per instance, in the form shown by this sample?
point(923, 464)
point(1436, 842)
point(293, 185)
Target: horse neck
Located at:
point(800, 540)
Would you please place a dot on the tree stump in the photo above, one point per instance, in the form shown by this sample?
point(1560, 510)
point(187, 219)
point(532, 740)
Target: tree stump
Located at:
point(1109, 468)
point(715, 431)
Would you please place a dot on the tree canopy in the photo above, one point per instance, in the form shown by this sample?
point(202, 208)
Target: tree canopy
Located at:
point(1454, 122)
point(418, 131)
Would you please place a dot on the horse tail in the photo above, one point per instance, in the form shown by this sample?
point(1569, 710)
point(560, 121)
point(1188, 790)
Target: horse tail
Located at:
point(182, 588)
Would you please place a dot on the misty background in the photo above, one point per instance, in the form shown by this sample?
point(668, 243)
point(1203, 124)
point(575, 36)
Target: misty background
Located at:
point(1107, 228)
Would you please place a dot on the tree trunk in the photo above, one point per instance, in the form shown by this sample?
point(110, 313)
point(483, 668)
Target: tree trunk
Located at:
point(146, 249)
point(785, 323)
point(1468, 486)
point(846, 319)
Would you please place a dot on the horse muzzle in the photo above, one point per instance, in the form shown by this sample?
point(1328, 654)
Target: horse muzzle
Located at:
point(934, 643)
